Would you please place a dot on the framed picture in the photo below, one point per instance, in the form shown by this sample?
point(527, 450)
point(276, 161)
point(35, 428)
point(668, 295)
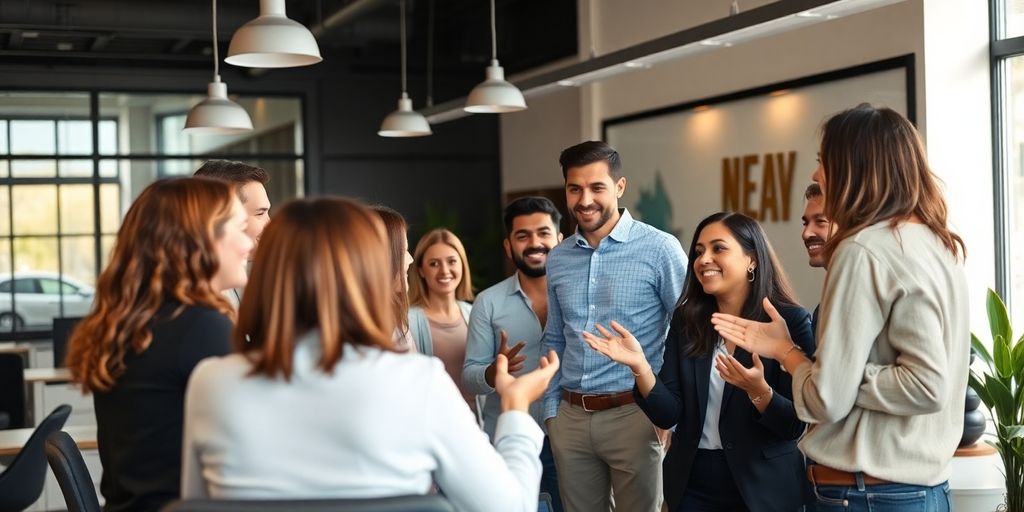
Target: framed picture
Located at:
point(751, 151)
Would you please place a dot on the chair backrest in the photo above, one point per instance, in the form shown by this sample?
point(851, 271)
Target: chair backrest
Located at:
point(62, 327)
point(12, 388)
point(72, 473)
point(417, 503)
point(21, 483)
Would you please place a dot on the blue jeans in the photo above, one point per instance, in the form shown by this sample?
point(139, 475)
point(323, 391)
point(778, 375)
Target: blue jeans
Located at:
point(882, 498)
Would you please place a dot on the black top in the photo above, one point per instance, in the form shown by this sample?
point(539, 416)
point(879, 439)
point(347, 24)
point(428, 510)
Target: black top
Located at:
point(139, 420)
point(761, 449)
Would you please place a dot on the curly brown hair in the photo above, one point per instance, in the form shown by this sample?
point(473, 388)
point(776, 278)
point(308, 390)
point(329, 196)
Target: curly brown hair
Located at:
point(165, 250)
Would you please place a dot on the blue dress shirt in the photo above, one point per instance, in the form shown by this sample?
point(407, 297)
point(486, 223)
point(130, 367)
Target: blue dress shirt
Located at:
point(635, 277)
point(502, 306)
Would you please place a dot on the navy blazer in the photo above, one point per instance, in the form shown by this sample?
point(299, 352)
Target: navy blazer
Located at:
point(761, 449)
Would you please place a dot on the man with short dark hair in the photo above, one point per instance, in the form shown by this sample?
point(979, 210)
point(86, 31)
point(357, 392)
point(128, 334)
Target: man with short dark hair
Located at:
point(515, 309)
point(817, 230)
point(612, 268)
point(250, 182)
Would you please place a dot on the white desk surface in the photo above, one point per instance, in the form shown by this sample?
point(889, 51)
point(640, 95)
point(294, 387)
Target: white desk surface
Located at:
point(13, 439)
point(47, 375)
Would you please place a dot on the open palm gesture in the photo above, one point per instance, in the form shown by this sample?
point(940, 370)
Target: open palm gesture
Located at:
point(767, 339)
point(621, 346)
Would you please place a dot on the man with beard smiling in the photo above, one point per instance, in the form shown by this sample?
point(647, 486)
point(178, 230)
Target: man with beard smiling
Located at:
point(817, 230)
point(515, 308)
point(612, 268)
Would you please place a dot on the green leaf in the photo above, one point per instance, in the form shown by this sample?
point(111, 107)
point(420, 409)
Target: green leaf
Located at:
point(998, 321)
point(1001, 351)
point(975, 382)
point(1011, 432)
point(981, 350)
point(1003, 400)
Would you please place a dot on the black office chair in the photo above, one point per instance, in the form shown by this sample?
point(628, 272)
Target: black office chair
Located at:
point(72, 473)
point(21, 483)
point(417, 503)
point(12, 389)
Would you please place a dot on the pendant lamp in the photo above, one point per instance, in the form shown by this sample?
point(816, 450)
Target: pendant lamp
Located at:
point(404, 122)
point(494, 95)
point(273, 41)
point(217, 114)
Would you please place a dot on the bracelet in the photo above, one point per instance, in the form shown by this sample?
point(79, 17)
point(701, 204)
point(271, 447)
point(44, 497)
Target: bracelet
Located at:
point(790, 349)
point(649, 369)
point(759, 398)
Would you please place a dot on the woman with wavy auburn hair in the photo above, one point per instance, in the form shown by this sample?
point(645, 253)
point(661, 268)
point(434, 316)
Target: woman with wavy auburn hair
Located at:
point(318, 404)
point(158, 311)
point(884, 396)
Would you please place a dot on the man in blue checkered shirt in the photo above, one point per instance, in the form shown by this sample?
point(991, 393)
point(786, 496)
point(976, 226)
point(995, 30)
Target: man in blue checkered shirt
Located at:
point(612, 268)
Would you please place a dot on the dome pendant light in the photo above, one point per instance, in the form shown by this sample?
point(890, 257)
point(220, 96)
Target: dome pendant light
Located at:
point(404, 122)
point(494, 95)
point(273, 41)
point(217, 114)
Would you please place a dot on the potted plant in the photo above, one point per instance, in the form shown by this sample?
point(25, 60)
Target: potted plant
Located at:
point(1001, 389)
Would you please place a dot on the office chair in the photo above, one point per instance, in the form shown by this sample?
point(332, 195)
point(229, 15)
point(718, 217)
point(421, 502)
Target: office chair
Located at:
point(21, 483)
point(72, 473)
point(417, 503)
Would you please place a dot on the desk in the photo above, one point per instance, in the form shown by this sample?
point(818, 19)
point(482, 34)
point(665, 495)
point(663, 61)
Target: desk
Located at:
point(13, 439)
point(49, 387)
point(47, 375)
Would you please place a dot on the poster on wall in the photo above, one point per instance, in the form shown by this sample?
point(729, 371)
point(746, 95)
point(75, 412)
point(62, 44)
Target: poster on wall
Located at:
point(752, 152)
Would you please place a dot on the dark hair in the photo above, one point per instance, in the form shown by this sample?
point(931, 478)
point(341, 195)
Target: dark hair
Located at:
point(769, 281)
point(530, 205)
point(237, 173)
point(586, 153)
point(813, 192)
point(876, 170)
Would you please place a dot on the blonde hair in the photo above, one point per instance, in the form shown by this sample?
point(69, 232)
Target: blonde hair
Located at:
point(418, 291)
point(165, 249)
point(321, 264)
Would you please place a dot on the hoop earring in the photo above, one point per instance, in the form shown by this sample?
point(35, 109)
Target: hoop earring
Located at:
point(750, 270)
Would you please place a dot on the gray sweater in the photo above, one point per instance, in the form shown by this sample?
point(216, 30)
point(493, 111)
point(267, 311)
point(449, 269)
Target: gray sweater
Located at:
point(886, 393)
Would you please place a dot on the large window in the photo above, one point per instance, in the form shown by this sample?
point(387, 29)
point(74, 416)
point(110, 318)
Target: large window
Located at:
point(72, 162)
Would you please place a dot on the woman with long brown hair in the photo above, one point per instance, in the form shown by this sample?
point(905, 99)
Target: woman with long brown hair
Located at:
point(316, 403)
point(884, 396)
point(159, 309)
point(398, 243)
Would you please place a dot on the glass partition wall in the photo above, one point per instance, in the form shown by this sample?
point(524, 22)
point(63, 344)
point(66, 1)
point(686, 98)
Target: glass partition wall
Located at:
point(72, 162)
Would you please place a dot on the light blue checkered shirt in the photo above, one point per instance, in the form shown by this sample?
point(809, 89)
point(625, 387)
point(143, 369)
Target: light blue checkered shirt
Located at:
point(634, 277)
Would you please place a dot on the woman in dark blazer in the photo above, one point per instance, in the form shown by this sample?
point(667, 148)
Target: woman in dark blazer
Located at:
point(735, 443)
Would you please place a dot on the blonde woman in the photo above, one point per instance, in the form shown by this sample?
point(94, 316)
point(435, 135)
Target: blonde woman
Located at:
point(439, 291)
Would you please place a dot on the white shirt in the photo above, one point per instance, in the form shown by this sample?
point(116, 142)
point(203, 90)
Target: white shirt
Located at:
point(710, 438)
point(383, 424)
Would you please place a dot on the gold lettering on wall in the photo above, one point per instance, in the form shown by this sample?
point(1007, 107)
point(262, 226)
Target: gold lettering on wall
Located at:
point(740, 184)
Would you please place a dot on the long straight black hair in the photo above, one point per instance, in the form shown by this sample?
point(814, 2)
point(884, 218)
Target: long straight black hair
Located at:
point(770, 281)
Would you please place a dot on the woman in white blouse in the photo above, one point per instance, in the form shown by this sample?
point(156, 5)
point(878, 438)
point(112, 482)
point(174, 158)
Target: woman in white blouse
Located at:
point(317, 403)
point(884, 396)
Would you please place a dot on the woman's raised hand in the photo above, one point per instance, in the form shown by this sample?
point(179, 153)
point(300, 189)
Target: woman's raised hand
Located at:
point(767, 339)
point(517, 393)
point(621, 347)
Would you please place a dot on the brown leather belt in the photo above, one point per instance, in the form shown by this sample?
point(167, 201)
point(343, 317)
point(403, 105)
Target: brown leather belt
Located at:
point(594, 403)
point(824, 475)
